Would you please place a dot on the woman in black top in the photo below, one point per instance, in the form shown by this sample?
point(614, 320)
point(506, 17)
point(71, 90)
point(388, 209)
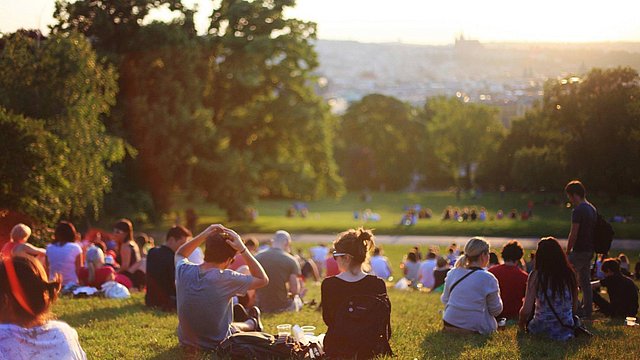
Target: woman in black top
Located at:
point(352, 248)
point(128, 251)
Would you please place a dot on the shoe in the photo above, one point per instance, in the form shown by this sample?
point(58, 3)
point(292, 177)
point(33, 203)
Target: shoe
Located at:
point(240, 313)
point(254, 314)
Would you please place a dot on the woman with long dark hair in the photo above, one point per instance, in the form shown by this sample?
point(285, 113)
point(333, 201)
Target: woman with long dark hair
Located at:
point(553, 289)
point(128, 251)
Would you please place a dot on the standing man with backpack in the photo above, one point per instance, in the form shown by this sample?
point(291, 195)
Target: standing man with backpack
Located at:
point(581, 245)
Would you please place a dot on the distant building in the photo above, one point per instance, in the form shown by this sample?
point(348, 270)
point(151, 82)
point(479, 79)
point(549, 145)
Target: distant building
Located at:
point(463, 45)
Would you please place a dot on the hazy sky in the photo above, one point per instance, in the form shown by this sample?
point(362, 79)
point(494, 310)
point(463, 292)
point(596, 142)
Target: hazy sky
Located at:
point(419, 21)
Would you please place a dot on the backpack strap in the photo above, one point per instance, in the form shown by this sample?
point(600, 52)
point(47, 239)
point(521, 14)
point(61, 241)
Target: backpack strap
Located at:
point(462, 278)
point(546, 297)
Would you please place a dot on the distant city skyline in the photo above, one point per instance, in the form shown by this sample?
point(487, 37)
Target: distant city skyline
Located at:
point(416, 21)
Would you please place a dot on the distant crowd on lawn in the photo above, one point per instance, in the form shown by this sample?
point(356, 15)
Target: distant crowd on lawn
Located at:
point(224, 289)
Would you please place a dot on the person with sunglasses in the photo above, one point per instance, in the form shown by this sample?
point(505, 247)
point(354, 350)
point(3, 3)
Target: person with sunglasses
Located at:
point(27, 330)
point(352, 250)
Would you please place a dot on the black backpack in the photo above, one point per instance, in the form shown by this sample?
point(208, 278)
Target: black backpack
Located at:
point(602, 235)
point(253, 345)
point(364, 321)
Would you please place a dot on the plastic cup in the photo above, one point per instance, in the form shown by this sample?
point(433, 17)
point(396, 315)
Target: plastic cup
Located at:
point(284, 329)
point(309, 330)
point(631, 321)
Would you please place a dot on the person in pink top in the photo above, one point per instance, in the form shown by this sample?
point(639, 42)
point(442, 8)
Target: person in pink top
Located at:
point(238, 260)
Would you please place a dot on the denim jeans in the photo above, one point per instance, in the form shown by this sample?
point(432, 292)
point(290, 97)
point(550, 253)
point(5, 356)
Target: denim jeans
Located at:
point(582, 264)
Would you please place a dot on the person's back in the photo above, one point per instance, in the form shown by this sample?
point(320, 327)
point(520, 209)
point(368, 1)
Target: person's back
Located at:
point(161, 288)
point(355, 306)
point(471, 295)
point(513, 285)
point(425, 273)
point(54, 339)
point(26, 331)
point(62, 260)
point(512, 279)
point(279, 266)
point(335, 294)
point(204, 303)
point(545, 321)
point(623, 294)
point(380, 267)
point(469, 306)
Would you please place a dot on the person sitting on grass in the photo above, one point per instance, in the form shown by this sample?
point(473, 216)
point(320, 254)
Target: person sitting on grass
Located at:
point(95, 273)
point(18, 245)
point(27, 330)
point(623, 292)
point(380, 264)
point(425, 273)
point(352, 248)
point(284, 272)
point(64, 256)
point(161, 270)
point(512, 280)
point(440, 273)
point(471, 294)
point(552, 288)
point(410, 268)
point(206, 315)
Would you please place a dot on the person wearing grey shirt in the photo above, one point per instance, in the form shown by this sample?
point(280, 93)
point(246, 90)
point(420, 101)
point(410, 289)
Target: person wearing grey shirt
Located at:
point(284, 271)
point(204, 292)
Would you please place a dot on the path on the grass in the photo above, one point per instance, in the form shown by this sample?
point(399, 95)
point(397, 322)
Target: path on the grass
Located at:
point(496, 242)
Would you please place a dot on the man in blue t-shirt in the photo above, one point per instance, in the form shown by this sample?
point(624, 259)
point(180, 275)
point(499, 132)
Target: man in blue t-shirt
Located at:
point(204, 292)
point(581, 244)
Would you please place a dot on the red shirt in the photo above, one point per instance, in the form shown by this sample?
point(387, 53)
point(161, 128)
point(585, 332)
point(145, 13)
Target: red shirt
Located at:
point(332, 267)
point(513, 285)
point(101, 276)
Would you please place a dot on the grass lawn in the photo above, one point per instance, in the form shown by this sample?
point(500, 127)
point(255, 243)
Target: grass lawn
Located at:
point(125, 329)
point(335, 215)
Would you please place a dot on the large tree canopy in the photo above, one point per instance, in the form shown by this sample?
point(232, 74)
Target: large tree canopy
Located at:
point(60, 81)
point(378, 142)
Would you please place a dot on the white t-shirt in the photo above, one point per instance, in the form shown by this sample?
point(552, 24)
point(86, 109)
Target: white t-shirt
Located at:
point(53, 340)
point(62, 260)
point(197, 256)
point(319, 253)
point(380, 267)
point(426, 273)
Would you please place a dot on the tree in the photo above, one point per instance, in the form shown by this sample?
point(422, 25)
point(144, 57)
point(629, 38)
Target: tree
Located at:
point(378, 143)
point(32, 162)
point(462, 134)
point(274, 134)
point(60, 81)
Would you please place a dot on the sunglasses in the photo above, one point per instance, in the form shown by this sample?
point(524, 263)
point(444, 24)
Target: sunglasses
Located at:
point(336, 255)
point(118, 231)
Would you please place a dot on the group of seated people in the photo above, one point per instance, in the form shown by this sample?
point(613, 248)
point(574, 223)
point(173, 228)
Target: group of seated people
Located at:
point(205, 294)
point(543, 302)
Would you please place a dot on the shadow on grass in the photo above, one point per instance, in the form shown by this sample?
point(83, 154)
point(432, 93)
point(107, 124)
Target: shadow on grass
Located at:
point(542, 347)
point(104, 314)
point(437, 345)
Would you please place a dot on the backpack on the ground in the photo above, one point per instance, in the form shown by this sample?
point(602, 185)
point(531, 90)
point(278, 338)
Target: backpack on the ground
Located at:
point(255, 345)
point(365, 322)
point(602, 235)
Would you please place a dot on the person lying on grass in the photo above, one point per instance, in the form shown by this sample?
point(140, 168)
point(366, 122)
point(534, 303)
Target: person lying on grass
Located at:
point(26, 328)
point(206, 315)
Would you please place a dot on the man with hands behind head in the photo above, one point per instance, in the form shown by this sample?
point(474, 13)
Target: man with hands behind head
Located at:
point(204, 292)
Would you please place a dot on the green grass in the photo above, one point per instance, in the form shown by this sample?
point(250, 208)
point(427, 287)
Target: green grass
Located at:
point(335, 215)
point(125, 329)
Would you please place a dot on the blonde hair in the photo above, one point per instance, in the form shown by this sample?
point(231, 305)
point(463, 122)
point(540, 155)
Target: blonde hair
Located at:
point(475, 247)
point(20, 232)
